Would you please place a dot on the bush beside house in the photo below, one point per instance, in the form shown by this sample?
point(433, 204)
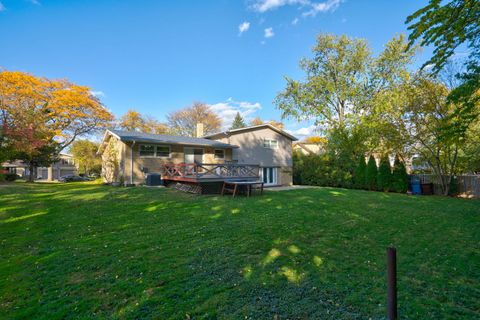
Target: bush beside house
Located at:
point(327, 171)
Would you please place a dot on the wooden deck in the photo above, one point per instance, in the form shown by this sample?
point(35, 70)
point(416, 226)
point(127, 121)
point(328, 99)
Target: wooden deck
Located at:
point(210, 172)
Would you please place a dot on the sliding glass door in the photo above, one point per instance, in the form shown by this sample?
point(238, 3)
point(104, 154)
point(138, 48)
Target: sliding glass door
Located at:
point(269, 175)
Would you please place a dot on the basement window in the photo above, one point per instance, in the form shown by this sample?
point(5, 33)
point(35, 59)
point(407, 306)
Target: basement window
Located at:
point(219, 154)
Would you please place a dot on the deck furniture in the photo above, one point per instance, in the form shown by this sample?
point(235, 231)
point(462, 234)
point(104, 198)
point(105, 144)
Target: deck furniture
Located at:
point(233, 187)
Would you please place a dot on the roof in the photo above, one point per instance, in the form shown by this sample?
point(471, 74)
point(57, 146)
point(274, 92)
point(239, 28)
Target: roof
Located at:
point(261, 126)
point(308, 147)
point(127, 136)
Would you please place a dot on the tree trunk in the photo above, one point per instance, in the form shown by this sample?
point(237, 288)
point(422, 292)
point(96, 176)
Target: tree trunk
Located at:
point(31, 174)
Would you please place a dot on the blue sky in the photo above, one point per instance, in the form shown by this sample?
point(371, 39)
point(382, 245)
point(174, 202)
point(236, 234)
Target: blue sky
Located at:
point(159, 56)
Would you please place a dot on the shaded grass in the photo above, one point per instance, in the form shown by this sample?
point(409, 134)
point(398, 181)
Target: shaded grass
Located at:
point(88, 251)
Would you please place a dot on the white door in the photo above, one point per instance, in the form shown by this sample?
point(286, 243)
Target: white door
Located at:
point(193, 155)
point(269, 176)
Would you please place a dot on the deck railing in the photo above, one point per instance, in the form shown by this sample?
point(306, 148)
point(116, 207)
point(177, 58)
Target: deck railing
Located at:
point(210, 170)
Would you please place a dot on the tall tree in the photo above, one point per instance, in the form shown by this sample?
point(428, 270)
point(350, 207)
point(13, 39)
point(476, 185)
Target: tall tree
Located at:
point(152, 125)
point(359, 179)
point(183, 122)
point(65, 109)
point(31, 142)
point(85, 155)
point(256, 121)
point(335, 77)
point(41, 117)
point(238, 122)
point(132, 121)
point(399, 177)
point(276, 124)
point(446, 26)
point(426, 125)
point(384, 177)
point(371, 174)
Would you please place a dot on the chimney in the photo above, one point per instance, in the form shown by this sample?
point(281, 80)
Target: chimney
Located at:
point(199, 132)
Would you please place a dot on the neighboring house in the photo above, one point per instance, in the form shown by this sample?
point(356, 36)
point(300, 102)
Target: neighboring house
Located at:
point(259, 152)
point(308, 148)
point(17, 167)
point(263, 145)
point(64, 166)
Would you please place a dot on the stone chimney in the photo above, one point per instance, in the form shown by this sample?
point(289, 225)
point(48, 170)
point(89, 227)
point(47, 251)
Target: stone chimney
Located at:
point(199, 128)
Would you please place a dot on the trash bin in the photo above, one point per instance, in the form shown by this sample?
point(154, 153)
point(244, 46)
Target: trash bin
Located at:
point(415, 185)
point(427, 188)
point(153, 179)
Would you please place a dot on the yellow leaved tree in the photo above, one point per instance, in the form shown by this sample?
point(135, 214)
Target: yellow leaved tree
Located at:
point(40, 117)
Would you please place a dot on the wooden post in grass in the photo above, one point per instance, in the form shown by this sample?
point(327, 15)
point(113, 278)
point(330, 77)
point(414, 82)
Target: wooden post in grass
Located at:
point(391, 283)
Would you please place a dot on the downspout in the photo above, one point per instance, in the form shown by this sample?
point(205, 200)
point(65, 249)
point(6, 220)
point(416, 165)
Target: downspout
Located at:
point(131, 164)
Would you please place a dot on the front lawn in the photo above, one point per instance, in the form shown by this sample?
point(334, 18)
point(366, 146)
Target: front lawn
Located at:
point(90, 251)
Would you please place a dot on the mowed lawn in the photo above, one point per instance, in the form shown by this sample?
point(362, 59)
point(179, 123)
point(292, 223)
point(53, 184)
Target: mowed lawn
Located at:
point(88, 251)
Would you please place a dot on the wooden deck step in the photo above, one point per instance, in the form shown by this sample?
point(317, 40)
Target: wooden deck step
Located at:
point(190, 188)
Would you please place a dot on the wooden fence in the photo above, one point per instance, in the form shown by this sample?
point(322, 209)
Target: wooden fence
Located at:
point(467, 185)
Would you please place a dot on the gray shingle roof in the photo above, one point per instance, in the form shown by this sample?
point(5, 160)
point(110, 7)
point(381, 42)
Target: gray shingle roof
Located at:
point(168, 139)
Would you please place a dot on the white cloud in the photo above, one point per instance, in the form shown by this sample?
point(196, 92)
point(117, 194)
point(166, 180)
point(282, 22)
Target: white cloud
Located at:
point(227, 110)
point(269, 33)
point(295, 21)
point(2, 7)
point(312, 7)
point(303, 132)
point(329, 5)
point(267, 5)
point(243, 27)
point(98, 93)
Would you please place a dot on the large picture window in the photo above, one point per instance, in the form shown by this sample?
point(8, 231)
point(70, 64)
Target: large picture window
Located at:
point(163, 151)
point(150, 150)
point(147, 150)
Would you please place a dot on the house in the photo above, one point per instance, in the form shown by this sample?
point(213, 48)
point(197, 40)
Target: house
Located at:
point(252, 153)
point(64, 166)
point(264, 145)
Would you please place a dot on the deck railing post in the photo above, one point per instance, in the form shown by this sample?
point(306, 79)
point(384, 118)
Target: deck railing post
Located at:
point(391, 283)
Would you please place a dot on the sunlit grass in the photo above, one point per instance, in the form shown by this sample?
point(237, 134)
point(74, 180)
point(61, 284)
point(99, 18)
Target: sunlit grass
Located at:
point(83, 250)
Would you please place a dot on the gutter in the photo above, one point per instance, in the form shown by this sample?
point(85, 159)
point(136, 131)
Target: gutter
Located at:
point(131, 163)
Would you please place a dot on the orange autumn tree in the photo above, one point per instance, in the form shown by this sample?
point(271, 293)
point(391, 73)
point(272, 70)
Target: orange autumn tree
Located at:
point(38, 112)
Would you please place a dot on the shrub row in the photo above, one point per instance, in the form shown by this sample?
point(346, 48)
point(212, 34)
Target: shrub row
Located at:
point(325, 170)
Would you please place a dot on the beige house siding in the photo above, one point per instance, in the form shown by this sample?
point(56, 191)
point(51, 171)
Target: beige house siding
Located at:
point(252, 151)
point(154, 164)
point(111, 174)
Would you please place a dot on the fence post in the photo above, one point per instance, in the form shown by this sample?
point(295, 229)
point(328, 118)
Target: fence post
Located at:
point(391, 283)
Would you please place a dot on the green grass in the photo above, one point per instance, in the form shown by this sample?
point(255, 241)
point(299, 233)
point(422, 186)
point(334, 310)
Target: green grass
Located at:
point(90, 251)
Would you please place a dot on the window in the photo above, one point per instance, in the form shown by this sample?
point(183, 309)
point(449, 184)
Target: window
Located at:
point(270, 143)
point(147, 150)
point(219, 154)
point(163, 151)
